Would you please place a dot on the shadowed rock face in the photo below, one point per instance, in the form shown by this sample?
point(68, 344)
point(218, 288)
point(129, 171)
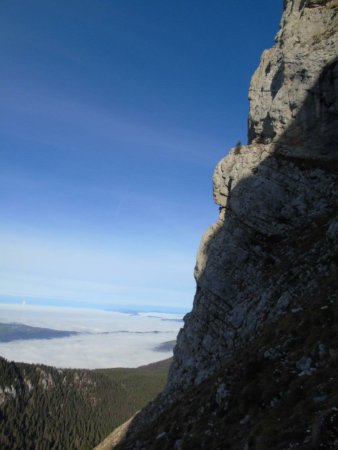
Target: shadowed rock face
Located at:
point(279, 187)
point(291, 93)
point(276, 238)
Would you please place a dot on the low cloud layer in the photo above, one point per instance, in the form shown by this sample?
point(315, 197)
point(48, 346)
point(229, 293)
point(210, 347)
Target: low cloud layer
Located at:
point(106, 339)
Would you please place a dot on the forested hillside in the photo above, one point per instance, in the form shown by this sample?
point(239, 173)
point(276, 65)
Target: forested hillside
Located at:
point(43, 407)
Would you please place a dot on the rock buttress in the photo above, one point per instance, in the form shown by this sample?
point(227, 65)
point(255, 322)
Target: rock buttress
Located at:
point(272, 254)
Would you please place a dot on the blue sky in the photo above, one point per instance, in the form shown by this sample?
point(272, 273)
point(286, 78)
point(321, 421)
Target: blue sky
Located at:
point(114, 114)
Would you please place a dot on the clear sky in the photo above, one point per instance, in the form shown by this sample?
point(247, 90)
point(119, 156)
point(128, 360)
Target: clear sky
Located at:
point(113, 115)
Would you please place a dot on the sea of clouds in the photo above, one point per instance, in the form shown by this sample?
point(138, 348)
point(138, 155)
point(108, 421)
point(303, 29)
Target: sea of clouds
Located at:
point(105, 339)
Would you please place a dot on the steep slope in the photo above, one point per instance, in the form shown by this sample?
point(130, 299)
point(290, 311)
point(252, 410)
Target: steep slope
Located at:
point(260, 345)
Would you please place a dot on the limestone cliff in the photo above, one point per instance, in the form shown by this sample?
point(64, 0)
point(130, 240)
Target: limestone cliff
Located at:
point(266, 272)
point(270, 192)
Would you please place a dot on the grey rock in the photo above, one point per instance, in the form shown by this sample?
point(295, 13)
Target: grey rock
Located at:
point(272, 192)
point(222, 396)
point(268, 192)
point(332, 232)
point(246, 419)
point(161, 435)
point(178, 444)
point(286, 101)
point(322, 351)
point(272, 354)
point(304, 365)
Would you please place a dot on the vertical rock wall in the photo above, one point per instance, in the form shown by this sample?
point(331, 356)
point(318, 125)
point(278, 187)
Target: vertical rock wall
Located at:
point(249, 269)
point(290, 94)
point(270, 254)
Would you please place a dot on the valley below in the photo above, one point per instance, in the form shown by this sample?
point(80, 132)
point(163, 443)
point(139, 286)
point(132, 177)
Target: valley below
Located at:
point(46, 407)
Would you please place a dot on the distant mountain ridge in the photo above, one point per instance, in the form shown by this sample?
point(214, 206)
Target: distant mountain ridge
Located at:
point(16, 331)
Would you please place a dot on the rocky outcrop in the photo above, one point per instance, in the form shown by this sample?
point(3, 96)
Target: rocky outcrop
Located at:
point(293, 94)
point(274, 251)
point(279, 187)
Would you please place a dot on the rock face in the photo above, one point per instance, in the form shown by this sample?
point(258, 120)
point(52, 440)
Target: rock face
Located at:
point(293, 94)
point(279, 187)
point(273, 253)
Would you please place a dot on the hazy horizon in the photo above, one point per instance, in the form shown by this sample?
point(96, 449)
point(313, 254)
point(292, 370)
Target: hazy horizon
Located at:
point(103, 339)
point(94, 304)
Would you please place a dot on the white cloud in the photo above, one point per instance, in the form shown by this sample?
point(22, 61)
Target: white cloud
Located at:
point(90, 349)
